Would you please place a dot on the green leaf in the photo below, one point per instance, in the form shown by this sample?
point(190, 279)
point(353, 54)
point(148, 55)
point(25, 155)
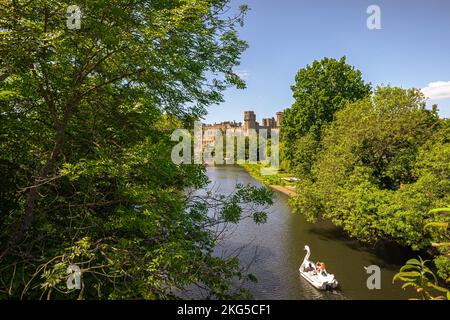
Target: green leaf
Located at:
point(252, 278)
point(440, 210)
point(409, 267)
point(438, 288)
point(414, 262)
point(410, 284)
point(438, 225)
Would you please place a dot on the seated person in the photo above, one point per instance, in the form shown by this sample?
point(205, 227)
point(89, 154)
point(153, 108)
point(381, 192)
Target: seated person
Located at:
point(320, 268)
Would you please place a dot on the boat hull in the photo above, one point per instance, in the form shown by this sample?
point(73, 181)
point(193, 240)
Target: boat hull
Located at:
point(318, 281)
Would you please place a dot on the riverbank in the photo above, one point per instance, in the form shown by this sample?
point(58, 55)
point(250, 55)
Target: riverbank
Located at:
point(276, 181)
point(289, 191)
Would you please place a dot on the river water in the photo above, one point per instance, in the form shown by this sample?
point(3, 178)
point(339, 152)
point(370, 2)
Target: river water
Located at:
point(274, 250)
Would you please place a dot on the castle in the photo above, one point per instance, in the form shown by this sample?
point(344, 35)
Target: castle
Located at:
point(249, 123)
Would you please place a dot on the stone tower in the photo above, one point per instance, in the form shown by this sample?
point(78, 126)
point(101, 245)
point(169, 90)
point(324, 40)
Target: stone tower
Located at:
point(279, 116)
point(269, 122)
point(249, 120)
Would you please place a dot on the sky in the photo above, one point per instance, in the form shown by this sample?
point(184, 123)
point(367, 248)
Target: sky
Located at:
point(412, 49)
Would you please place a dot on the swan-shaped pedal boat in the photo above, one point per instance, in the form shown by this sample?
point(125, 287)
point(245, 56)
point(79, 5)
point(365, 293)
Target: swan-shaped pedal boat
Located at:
point(316, 274)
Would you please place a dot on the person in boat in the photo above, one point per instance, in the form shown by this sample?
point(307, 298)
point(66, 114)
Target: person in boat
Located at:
point(320, 268)
point(317, 270)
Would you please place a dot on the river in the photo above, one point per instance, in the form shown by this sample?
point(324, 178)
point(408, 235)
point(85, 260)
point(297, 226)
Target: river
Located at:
point(274, 250)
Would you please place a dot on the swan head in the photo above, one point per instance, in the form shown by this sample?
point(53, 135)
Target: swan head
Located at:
point(306, 247)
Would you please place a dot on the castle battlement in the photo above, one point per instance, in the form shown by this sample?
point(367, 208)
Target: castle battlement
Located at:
point(209, 130)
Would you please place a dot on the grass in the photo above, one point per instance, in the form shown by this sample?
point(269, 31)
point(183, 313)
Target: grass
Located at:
point(276, 179)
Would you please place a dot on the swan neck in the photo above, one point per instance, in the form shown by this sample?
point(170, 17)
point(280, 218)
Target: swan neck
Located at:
point(308, 253)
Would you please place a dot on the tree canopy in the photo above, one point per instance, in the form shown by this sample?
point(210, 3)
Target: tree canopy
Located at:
point(86, 116)
point(383, 167)
point(320, 90)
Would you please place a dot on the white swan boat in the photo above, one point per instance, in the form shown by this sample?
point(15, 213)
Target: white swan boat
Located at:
point(321, 280)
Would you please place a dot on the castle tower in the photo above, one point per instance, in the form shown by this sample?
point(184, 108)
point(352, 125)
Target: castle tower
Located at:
point(249, 120)
point(279, 116)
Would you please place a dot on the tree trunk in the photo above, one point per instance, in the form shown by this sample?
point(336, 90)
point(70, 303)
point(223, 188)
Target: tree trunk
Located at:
point(33, 191)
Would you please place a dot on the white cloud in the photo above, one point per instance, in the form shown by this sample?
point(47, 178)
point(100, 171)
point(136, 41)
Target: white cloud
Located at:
point(243, 74)
point(437, 90)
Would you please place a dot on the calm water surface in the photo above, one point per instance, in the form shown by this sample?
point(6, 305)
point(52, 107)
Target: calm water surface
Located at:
point(274, 251)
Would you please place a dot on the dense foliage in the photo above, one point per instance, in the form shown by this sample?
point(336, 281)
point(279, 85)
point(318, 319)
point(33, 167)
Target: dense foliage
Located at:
point(86, 116)
point(383, 166)
point(320, 90)
point(416, 274)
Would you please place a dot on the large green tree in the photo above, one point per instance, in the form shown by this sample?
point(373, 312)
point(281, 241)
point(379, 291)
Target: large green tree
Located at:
point(86, 116)
point(320, 89)
point(383, 167)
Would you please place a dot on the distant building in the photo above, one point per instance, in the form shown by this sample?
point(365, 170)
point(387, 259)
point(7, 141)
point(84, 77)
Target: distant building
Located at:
point(279, 116)
point(269, 123)
point(249, 120)
point(209, 130)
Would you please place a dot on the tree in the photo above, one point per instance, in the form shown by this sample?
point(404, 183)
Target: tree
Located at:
point(86, 116)
point(441, 241)
point(416, 274)
point(364, 177)
point(320, 90)
point(383, 167)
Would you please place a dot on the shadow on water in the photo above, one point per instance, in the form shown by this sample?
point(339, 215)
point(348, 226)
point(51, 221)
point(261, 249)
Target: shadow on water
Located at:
point(279, 244)
point(388, 252)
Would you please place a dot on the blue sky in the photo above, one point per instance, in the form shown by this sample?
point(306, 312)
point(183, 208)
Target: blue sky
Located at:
point(411, 50)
